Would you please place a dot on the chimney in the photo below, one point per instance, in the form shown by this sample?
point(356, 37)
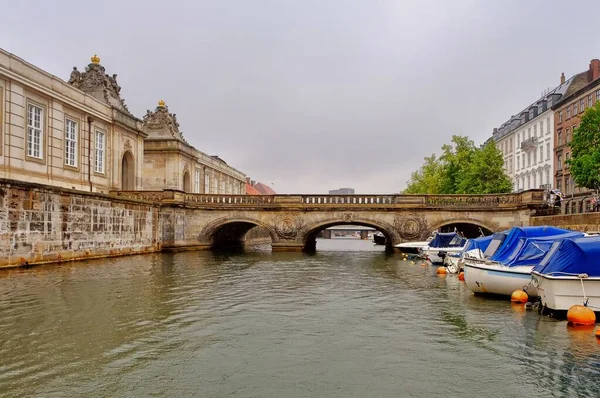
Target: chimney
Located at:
point(562, 78)
point(253, 183)
point(495, 131)
point(248, 180)
point(594, 71)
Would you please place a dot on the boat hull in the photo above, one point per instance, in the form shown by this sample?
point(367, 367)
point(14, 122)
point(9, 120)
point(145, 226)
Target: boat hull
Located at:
point(560, 293)
point(379, 239)
point(433, 254)
point(498, 279)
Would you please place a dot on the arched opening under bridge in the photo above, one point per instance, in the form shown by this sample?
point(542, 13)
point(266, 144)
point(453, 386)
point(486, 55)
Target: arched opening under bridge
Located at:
point(239, 235)
point(467, 229)
point(311, 243)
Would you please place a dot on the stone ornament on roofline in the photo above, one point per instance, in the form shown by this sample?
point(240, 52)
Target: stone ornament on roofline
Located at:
point(161, 121)
point(97, 83)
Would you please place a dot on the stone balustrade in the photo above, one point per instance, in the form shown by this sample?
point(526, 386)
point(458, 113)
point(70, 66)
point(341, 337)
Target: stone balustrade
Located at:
point(532, 197)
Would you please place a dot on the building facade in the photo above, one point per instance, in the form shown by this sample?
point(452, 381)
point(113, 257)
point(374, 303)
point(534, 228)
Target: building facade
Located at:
point(342, 191)
point(526, 141)
point(77, 134)
point(567, 115)
point(170, 162)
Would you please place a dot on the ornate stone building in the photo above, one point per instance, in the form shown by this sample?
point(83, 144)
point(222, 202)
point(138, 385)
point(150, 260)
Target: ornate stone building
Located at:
point(76, 134)
point(170, 162)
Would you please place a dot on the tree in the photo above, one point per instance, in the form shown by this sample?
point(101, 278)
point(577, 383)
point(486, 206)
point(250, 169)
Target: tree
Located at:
point(461, 169)
point(485, 172)
point(427, 179)
point(585, 150)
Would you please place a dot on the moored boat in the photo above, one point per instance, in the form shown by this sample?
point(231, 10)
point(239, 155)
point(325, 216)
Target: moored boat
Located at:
point(379, 238)
point(412, 247)
point(474, 247)
point(509, 267)
point(443, 244)
point(569, 274)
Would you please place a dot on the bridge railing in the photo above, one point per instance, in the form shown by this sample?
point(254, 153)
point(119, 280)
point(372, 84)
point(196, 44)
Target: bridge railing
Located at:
point(534, 197)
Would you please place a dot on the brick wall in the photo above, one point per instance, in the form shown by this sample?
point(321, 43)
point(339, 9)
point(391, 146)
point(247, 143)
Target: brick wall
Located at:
point(40, 224)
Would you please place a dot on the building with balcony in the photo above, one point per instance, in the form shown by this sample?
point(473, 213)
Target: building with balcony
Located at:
point(74, 134)
point(583, 94)
point(526, 141)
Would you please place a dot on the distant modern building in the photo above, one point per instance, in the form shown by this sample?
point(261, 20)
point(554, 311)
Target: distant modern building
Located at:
point(583, 93)
point(526, 141)
point(342, 191)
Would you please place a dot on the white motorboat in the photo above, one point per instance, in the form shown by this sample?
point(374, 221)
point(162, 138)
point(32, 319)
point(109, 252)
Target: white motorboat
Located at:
point(443, 244)
point(473, 248)
point(412, 247)
point(504, 273)
point(569, 274)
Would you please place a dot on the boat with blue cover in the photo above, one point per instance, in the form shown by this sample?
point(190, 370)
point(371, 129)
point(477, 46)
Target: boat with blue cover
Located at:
point(569, 274)
point(474, 247)
point(509, 267)
point(442, 244)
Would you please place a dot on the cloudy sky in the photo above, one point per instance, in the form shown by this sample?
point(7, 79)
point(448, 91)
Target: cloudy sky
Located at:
point(312, 95)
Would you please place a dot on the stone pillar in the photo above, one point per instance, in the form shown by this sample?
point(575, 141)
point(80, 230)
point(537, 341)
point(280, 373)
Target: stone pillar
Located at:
point(327, 234)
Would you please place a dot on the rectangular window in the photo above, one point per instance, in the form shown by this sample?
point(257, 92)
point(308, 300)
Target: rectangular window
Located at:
point(582, 105)
point(568, 136)
point(567, 157)
point(34, 131)
point(575, 109)
point(567, 186)
point(197, 181)
point(534, 157)
point(548, 151)
point(541, 129)
point(559, 137)
point(569, 111)
point(597, 95)
point(71, 133)
point(213, 185)
point(206, 181)
point(222, 185)
point(528, 159)
point(559, 162)
point(518, 163)
point(590, 101)
point(541, 154)
point(560, 116)
point(547, 125)
point(99, 151)
point(534, 180)
point(535, 130)
point(558, 184)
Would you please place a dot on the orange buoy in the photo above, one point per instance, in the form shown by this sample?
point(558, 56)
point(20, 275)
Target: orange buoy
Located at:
point(519, 297)
point(581, 315)
point(424, 265)
point(441, 270)
point(461, 276)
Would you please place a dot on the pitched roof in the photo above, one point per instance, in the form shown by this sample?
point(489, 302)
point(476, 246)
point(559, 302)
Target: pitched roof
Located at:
point(250, 190)
point(264, 189)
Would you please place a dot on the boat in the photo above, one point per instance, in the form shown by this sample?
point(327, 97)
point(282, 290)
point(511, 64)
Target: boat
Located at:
point(509, 267)
point(474, 247)
point(569, 274)
point(412, 247)
point(441, 245)
point(379, 238)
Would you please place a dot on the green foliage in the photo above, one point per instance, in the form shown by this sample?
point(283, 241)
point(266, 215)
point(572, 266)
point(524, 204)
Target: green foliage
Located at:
point(461, 169)
point(585, 150)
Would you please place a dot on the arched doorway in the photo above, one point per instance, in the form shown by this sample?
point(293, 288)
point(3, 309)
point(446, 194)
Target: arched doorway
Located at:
point(127, 172)
point(187, 183)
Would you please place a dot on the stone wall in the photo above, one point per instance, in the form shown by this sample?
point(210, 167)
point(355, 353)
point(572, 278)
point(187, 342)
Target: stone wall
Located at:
point(585, 222)
point(40, 224)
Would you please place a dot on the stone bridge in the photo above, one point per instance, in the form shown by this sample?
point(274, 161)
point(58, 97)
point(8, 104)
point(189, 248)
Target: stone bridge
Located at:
point(200, 221)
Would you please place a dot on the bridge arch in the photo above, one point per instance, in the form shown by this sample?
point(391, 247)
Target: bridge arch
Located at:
point(230, 233)
point(309, 236)
point(468, 226)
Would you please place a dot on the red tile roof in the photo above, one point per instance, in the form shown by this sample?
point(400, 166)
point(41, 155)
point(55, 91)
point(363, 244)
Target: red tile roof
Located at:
point(264, 189)
point(250, 190)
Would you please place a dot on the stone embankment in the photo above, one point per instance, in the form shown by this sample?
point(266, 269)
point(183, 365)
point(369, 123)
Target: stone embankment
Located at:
point(584, 222)
point(41, 224)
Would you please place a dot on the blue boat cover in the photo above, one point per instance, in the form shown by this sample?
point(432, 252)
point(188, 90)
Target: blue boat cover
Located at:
point(448, 239)
point(478, 243)
point(530, 251)
point(572, 257)
point(497, 239)
point(507, 247)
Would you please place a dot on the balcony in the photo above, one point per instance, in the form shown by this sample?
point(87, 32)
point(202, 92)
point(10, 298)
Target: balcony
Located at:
point(529, 143)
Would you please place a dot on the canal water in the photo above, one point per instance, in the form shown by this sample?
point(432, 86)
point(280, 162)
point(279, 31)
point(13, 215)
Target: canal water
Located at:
point(348, 321)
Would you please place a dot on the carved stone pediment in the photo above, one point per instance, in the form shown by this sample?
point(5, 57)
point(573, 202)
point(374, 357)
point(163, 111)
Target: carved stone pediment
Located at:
point(162, 124)
point(95, 82)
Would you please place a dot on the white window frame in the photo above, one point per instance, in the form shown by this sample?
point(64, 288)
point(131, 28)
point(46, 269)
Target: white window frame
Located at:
point(206, 182)
point(196, 180)
point(35, 131)
point(99, 151)
point(71, 142)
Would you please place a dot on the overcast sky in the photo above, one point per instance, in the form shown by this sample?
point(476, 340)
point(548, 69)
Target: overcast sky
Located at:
point(316, 95)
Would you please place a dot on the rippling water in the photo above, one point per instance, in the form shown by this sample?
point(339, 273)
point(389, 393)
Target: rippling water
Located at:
point(349, 321)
